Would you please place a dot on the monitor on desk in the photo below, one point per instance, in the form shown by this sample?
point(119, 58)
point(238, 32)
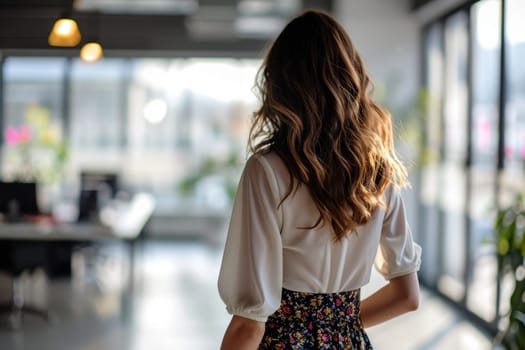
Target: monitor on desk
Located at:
point(18, 199)
point(96, 188)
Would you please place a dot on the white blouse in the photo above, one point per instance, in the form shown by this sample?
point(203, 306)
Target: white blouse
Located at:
point(270, 247)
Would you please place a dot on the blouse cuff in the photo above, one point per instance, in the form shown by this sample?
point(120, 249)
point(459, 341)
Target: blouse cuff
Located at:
point(403, 270)
point(247, 314)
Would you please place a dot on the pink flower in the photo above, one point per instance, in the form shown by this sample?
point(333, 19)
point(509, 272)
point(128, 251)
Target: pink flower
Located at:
point(14, 136)
point(522, 152)
point(24, 133)
point(11, 136)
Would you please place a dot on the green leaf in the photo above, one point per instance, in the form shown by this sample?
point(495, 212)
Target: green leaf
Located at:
point(520, 197)
point(503, 246)
point(499, 221)
point(523, 243)
point(208, 166)
point(188, 184)
point(515, 301)
point(511, 256)
point(510, 232)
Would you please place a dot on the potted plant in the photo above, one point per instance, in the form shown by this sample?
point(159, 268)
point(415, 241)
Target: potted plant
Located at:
point(510, 239)
point(36, 152)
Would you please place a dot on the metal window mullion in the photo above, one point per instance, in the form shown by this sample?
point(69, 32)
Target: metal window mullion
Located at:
point(125, 83)
point(422, 212)
point(441, 153)
point(467, 274)
point(501, 136)
point(66, 99)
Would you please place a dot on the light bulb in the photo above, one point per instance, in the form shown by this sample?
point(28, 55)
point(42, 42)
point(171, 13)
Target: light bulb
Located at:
point(155, 111)
point(65, 33)
point(65, 27)
point(91, 52)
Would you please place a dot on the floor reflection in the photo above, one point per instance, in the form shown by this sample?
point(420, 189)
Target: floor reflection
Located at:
point(175, 305)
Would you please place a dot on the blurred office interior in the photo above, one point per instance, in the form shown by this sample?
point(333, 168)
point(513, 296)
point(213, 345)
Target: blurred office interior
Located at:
point(129, 163)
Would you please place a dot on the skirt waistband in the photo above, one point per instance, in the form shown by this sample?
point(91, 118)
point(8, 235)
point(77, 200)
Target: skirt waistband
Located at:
point(316, 321)
point(324, 307)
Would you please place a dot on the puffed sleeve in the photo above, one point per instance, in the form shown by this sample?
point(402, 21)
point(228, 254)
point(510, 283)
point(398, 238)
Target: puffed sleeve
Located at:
point(397, 254)
point(250, 278)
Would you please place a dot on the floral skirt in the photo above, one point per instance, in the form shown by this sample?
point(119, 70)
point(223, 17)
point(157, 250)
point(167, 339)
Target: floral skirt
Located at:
point(316, 321)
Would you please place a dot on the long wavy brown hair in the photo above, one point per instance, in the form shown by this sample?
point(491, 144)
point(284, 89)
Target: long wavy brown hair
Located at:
point(317, 114)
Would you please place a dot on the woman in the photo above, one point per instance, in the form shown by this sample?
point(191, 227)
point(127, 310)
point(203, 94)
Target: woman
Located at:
point(318, 203)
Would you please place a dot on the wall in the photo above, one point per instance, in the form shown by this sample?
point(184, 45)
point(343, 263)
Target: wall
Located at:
point(386, 35)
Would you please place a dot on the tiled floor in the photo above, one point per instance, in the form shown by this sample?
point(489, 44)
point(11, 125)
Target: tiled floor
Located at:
point(176, 306)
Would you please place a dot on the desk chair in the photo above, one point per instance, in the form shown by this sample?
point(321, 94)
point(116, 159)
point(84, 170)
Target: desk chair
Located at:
point(16, 258)
point(96, 189)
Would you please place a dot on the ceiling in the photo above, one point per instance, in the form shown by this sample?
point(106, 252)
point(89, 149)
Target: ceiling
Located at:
point(153, 27)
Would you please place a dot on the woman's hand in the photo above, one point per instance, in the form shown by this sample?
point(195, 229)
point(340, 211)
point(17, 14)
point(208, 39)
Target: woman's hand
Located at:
point(399, 296)
point(243, 334)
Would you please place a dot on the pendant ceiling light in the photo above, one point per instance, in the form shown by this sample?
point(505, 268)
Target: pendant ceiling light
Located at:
point(91, 52)
point(65, 33)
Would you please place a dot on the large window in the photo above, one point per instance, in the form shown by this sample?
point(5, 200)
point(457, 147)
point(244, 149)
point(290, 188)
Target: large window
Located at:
point(454, 151)
point(188, 126)
point(428, 225)
point(512, 178)
point(174, 127)
point(33, 117)
point(514, 148)
point(97, 117)
point(480, 114)
point(485, 29)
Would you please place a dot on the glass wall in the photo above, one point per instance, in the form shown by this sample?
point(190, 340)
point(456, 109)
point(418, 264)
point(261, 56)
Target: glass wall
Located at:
point(453, 156)
point(33, 117)
point(486, 43)
point(512, 175)
point(514, 142)
point(480, 114)
point(428, 225)
point(97, 112)
point(187, 128)
point(174, 127)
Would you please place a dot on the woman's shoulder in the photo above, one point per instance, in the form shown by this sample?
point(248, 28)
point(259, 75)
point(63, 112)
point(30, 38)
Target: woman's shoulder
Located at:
point(270, 161)
point(266, 155)
point(270, 165)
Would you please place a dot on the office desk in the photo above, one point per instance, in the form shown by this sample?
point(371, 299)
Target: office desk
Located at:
point(127, 224)
point(124, 223)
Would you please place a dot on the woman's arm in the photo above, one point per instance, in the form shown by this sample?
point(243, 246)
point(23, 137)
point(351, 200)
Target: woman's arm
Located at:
point(243, 334)
point(399, 296)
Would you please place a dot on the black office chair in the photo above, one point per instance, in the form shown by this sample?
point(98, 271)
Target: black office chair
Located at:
point(16, 256)
point(96, 189)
